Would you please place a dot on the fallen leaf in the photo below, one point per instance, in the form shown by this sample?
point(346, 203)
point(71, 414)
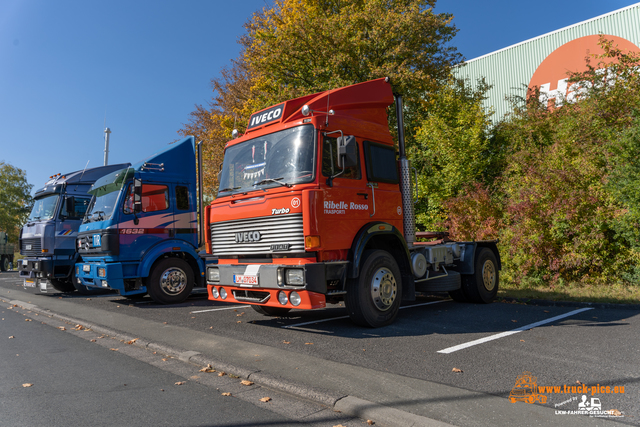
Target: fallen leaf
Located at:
point(221, 374)
point(521, 340)
point(265, 399)
point(546, 311)
point(208, 368)
point(239, 321)
point(161, 389)
point(88, 299)
point(241, 314)
point(93, 340)
point(338, 425)
point(132, 341)
point(615, 412)
point(11, 337)
point(286, 342)
point(113, 349)
point(514, 321)
point(579, 382)
point(456, 370)
point(308, 343)
point(27, 385)
point(226, 394)
point(165, 359)
point(27, 320)
point(181, 382)
point(370, 422)
point(194, 377)
point(62, 328)
point(246, 382)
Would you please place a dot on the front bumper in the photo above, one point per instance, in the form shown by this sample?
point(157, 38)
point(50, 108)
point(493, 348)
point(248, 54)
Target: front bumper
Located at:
point(267, 284)
point(39, 284)
point(35, 268)
point(100, 275)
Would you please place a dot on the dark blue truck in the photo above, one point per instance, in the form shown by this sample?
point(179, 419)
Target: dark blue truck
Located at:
point(47, 241)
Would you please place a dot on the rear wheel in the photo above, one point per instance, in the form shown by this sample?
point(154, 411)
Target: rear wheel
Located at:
point(4, 265)
point(171, 281)
point(373, 299)
point(482, 285)
point(271, 311)
point(62, 285)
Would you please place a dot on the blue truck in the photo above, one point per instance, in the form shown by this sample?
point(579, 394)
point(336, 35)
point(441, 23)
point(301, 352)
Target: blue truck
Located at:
point(47, 241)
point(140, 233)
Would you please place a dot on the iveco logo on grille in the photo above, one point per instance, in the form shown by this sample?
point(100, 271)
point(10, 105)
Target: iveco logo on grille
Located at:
point(248, 236)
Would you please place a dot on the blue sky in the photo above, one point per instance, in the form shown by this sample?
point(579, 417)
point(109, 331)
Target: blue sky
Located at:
point(65, 64)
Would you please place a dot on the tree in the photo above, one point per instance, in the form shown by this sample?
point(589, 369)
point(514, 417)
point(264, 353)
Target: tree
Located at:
point(301, 47)
point(15, 199)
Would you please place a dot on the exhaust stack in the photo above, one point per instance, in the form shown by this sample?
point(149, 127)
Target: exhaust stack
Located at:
point(406, 189)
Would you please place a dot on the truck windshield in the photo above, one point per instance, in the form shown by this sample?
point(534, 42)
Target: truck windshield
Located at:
point(105, 192)
point(44, 208)
point(281, 158)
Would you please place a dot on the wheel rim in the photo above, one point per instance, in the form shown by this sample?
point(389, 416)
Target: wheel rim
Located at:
point(489, 275)
point(384, 289)
point(173, 281)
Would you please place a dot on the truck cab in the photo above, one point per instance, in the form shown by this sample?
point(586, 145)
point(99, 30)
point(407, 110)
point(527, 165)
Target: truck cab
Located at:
point(315, 206)
point(47, 241)
point(140, 232)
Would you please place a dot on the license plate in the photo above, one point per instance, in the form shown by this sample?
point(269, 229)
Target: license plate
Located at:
point(86, 268)
point(242, 279)
point(24, 262)
point(29, 283)
point(28, 247)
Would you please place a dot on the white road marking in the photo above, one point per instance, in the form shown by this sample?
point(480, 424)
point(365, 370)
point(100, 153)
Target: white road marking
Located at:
point(346, 317)
point(218, 309)
point(514, 331)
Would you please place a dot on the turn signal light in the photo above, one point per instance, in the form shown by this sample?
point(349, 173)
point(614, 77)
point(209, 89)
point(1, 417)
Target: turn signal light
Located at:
point(311, 242)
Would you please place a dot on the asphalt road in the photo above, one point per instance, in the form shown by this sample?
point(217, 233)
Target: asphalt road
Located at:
point(52, 378)
point(563, 346)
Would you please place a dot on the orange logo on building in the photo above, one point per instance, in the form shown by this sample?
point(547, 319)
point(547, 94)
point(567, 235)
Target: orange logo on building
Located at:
point(551, 76)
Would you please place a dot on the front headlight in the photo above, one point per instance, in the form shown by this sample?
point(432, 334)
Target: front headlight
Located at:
point(213, 274)
point(295, 276)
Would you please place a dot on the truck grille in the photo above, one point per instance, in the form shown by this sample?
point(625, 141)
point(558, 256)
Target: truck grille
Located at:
point(258, 236)
point(31, 247)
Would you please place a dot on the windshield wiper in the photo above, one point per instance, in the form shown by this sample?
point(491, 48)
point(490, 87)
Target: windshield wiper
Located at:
point(228, 189)
point(99, 213)
point(276, 180)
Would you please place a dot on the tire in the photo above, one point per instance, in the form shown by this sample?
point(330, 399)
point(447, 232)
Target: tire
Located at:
point(482, 286)
point(4, 266)
point(373, 299)
point(271, 311)
point(171, 281)
point(61, 285)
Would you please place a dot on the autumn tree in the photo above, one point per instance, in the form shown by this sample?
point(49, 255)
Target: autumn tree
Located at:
point(15, 199)
point(301, 47)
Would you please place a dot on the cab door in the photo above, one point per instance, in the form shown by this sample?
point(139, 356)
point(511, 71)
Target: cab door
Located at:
point(346, 200)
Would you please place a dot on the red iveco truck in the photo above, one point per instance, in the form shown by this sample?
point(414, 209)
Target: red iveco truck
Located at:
point(315, 206)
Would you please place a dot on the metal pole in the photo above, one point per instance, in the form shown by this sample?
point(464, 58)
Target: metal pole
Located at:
point(107, 132)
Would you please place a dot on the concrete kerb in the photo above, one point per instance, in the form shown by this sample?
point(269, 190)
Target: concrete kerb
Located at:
point(345, 404)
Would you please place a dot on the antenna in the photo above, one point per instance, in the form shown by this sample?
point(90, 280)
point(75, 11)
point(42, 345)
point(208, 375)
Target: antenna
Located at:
point(82, 174)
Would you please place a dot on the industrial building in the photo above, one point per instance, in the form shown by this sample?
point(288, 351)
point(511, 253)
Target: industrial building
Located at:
point(544, 61)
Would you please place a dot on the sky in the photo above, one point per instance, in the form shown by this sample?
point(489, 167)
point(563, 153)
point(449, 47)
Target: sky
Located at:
point(68, 67)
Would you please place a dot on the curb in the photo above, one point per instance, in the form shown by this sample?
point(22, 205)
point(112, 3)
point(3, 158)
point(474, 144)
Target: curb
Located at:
point(349, 405)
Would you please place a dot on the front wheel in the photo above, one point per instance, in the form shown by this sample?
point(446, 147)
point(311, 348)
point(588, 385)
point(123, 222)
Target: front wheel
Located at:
point(171, 281)
point(373, 299)
point(271, 311)
point(482, 285)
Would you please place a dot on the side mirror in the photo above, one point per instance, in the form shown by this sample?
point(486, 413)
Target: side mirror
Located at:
point(70, 206)
point(137, 195)
point(347, 151)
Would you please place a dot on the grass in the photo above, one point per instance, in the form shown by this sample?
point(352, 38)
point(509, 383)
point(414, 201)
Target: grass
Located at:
point(615, 294)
